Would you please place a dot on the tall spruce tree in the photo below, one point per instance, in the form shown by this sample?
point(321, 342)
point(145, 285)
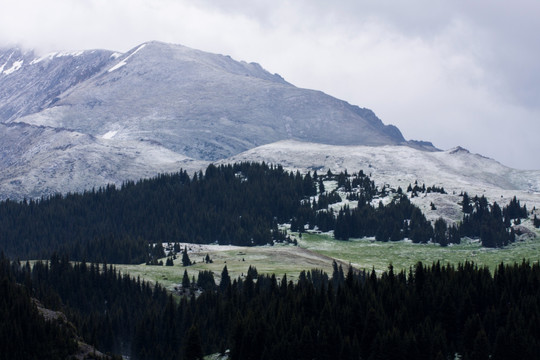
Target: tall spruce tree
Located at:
point(225, 281)
point(193, 349)
point(185, 258)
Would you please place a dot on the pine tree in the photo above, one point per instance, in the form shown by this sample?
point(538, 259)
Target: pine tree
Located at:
point(225, 280)
point(185, 281)
point(252, 271)
point(185, 258)
point(440, 232)
point(466, 205)
point(193, 349)
point(321, 186)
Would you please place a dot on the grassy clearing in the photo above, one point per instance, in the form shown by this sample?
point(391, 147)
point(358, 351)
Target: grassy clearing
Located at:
point(367, 254)
point(319, 250)
point(278, 259)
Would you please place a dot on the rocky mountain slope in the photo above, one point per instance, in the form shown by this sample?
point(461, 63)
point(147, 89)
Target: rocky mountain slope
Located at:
point(202, 105)
point(30, 83)
point(38, 161)
point(74, 120)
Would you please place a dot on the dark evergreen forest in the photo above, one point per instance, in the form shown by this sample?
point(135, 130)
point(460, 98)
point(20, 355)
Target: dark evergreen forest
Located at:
point(428, 312)
point(240, 204)
point(24, 333)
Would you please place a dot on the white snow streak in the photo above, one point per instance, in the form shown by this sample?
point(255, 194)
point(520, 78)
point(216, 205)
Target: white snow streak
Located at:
point(49, 56)
point(124, 62)
point(16, 66)
point(109, 135)
point(53, 55)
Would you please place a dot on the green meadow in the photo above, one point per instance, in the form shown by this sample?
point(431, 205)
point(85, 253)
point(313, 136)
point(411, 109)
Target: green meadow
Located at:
point(368, 254)
point(317, 251)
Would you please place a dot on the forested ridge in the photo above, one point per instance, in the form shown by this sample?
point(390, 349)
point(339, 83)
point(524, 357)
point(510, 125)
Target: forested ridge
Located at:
point(427, 312)
point(240, 204)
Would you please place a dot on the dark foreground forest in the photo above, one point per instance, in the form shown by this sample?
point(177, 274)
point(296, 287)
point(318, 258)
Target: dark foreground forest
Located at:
point(428, 312)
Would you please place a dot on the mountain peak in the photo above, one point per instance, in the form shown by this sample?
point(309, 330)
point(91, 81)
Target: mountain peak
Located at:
point(189, 102)
point(459, 150)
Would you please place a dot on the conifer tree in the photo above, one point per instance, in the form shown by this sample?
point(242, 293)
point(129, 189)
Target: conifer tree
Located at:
point(466, 207)
point(439, 235)
point(321, 186)
point(225, 279)
point(193, 349)
point(185, 258)
point(185, 281)
point(252, 271)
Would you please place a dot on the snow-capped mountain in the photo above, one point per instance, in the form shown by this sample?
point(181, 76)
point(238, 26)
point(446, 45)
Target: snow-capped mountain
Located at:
point(90, 116)
point(73, 121)
point(202, 105)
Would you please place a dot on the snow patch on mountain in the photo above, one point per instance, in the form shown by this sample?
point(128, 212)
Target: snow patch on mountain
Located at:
point(109, 134)
point(16, 66)
point(124, 61)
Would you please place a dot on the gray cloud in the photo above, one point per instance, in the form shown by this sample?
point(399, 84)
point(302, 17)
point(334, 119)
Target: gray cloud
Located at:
point(453, 72)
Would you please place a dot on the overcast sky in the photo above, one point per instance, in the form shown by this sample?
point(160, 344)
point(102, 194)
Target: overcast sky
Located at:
point(454, 72)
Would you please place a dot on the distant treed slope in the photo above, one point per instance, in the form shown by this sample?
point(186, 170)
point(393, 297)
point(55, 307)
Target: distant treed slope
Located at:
point(239, 204)
point(457, 170)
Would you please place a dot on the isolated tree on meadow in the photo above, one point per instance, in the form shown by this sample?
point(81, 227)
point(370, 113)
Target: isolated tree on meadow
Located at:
point(185, 258)
point(185, 280)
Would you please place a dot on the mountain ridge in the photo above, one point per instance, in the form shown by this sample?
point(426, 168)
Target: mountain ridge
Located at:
point(70, 121)
point(155, 85)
